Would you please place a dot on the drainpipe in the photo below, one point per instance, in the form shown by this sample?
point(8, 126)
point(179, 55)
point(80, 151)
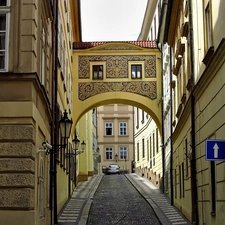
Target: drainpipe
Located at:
point(163, 139)
point(194, 189)
point(53, 174)
point(171, 132)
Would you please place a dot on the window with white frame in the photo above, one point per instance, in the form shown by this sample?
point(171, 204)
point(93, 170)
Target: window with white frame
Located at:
point(108, 153)
point(108, 128)
point(4, 33)
point(123, 153)
point(123, 128)
point(41, 188)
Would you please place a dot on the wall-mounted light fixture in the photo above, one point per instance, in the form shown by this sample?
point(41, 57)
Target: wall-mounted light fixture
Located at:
point(116, 157)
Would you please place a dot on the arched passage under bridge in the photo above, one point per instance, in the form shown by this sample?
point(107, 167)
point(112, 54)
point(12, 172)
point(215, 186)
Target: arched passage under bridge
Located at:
point(117, 73)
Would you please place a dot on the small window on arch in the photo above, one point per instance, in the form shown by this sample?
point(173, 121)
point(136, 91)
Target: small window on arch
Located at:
point(97, 72)
point(136, 71)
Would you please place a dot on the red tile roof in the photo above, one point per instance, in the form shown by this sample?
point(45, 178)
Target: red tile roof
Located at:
point(143, 44)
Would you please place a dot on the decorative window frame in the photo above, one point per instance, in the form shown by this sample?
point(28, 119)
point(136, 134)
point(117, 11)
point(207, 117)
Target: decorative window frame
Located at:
point(98, 63)
point(135, 63)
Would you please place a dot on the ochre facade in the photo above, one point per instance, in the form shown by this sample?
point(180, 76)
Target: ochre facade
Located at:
point(117, 86)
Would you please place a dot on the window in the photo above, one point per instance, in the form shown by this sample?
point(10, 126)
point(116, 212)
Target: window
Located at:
point(181, 179)
point(123, 128)
point(186, 153)
point(136, 71)
point(137, 118)
point(150, 141)
point(137, 151)
point(157, 140)
point(97, 71)
point(153, 144)
point(143, 148)
point(143, 116)
point(4, 33)
point(208, 26)
point(109, 153)
point(123, 153)
point(108, 128)
point(148, 150)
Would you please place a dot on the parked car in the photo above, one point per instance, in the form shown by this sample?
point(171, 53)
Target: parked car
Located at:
point(113, 169)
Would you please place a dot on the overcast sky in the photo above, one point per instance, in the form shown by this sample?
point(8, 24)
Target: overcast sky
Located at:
point(112, 20)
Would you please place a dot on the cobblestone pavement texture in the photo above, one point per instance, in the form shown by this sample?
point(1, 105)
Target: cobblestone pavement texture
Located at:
point(124, 197)
point(117, 202)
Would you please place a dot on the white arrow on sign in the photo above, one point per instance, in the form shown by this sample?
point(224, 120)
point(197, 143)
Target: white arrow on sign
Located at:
point(216, 147)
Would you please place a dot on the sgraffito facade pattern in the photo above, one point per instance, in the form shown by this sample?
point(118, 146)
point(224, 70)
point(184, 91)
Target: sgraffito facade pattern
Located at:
point(117, 65)
point(147, 89)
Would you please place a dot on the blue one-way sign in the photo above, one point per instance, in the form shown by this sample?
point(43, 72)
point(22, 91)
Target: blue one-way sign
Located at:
point(215, 150)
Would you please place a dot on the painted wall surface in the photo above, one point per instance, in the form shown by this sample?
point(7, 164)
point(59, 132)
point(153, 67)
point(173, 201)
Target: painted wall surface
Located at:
point(148, 153)
point(207, 73)
point(115, 113)
point(117, 86)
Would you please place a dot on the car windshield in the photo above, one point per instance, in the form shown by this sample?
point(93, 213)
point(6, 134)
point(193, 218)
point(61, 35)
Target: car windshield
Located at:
point(113, 166)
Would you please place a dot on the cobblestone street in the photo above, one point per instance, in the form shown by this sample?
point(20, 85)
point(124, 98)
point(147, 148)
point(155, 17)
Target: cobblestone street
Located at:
point(116, 201)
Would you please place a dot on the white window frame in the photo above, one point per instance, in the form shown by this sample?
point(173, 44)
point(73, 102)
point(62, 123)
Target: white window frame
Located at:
point(5, 10)
point(123, 128)
point(123, 152)
point(108, 153)
point(107, 126)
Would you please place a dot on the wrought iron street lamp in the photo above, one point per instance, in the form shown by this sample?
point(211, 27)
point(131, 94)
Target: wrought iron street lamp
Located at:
point(65, 125)
point(76, 143)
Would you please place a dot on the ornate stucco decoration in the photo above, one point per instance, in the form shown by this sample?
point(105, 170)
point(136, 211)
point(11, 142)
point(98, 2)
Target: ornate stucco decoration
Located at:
point(116, 65)
point(147, 89)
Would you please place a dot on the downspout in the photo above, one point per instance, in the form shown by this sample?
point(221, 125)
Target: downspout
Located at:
point(163, 139)
point(194, 188)
point(133, 161)
point(55, 109)
point(171, 132)
point(51, 172)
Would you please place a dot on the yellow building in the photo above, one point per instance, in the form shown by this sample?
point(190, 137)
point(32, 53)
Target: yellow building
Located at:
point(193, 30)
point(149, 152)
point(36, 88)
point(115, 136)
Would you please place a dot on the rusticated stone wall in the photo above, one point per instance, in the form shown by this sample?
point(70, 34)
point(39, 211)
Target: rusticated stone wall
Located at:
point(17, 166)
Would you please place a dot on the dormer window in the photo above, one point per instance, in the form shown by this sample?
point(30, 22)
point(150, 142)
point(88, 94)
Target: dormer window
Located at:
point(136, 71)
point(97, 71)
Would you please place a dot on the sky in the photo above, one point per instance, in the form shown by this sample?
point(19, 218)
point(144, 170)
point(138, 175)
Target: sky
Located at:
point(112, 20)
